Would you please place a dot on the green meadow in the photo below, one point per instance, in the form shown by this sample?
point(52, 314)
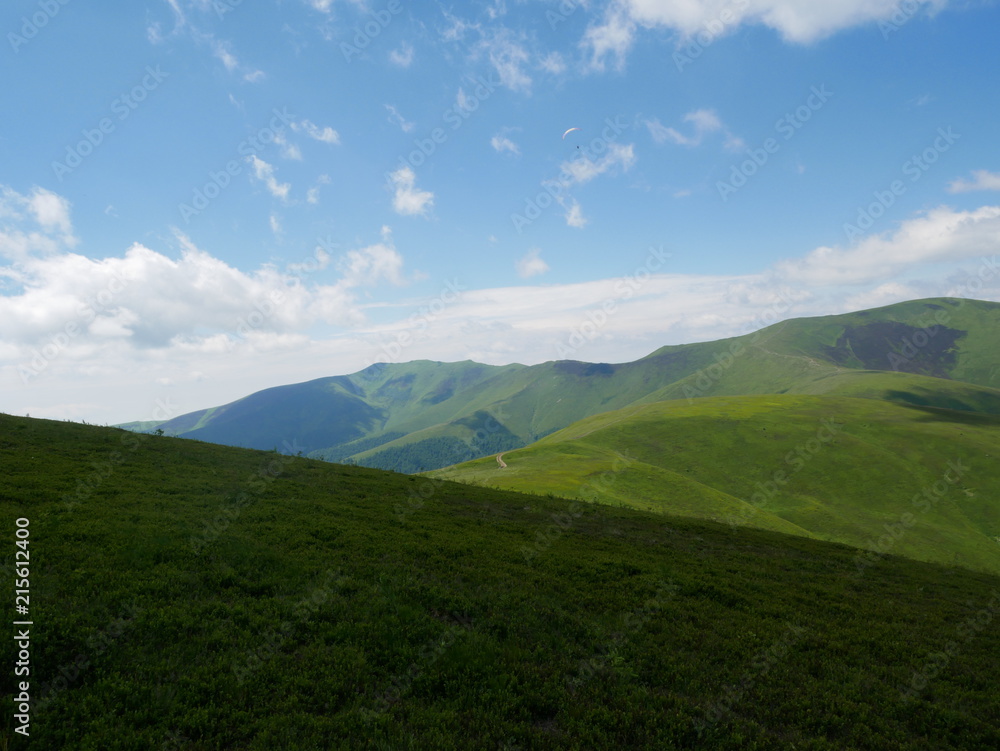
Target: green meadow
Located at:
point(914, 480)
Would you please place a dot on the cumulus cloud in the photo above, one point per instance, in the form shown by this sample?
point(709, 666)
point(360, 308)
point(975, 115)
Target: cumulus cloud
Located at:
point(981, 180)
point(938, 235)
point(613, 35)
point(407, 199)
point(145, 300)
point(531, 264)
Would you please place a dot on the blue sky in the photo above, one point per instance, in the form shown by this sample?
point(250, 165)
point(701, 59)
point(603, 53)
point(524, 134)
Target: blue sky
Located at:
point(202, 198)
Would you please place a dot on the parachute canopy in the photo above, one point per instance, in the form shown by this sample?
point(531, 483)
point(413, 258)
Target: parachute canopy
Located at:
point(568, 132)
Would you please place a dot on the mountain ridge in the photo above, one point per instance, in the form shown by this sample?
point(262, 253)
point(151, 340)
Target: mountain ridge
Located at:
point(958, 365)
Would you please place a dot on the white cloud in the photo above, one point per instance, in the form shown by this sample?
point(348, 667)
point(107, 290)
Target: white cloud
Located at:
point(407, 199)
point(373, 264)
point(585, 169)
point(402, 57)
point(531, 264)
point(938, 235)
point(798, 21)
point(508, 58)
point(982, 180)
point(575, 217)
point(612, 37)
point(501, 143)
point(288, 150)
point(553, 63)
point(265, 173)
point(223, 51)
point(312, 195)
point(323, 6)
point(326, 134)
point(275, 224)
point(51, 212)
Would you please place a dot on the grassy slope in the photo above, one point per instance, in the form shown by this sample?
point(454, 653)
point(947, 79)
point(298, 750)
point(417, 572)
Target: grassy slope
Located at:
point(429, 626)
point(706, 459)
point(797, 356)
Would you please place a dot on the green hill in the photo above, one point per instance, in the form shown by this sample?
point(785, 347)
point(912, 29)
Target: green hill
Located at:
point(190, 595)
point(833, 468)
point(425, 415)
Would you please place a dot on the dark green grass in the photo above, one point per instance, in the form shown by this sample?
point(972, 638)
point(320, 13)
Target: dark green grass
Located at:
point(446, 616)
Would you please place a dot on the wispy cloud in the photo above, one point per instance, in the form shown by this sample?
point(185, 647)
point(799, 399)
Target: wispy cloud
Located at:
point(585, 169)
point(501, 143)
point(403, 56)
point(398, 119)
point(703, 122)
point(325, 134)
point(312, 195)
point(265, 173)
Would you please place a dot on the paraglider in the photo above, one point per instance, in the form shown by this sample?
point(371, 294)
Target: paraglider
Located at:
point(568, 132)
